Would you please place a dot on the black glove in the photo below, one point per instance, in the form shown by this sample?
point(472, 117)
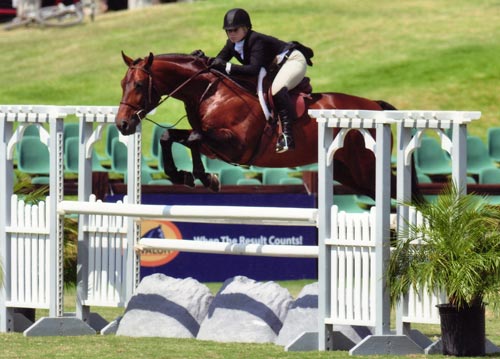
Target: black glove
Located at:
point(198, 53)
point(219, 64)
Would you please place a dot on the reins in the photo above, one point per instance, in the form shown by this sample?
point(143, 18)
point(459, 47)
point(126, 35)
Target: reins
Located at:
point(139, 110)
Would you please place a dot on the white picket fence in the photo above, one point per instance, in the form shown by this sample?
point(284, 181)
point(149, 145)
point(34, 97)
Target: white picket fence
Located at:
point(107, 253)
point(29, 265)
point(352, 251)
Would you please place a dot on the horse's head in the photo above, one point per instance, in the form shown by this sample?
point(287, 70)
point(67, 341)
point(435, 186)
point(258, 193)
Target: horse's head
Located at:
point(139, 95)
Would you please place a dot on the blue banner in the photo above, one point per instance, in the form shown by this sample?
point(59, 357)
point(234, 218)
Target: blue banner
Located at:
point(219, 267)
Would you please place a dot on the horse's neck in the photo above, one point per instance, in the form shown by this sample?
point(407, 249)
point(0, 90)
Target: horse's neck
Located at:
point(180, 81)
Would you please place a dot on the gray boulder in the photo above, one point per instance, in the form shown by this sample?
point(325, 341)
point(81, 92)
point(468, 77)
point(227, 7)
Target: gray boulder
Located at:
point(246, 311)
point(302, 315)
point(166, 307)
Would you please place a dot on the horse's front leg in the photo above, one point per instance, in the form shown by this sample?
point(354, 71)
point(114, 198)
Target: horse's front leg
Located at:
point(169, 167)
point(209, 180)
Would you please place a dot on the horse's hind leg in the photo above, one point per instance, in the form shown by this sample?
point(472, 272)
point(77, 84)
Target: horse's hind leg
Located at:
point(166, 141)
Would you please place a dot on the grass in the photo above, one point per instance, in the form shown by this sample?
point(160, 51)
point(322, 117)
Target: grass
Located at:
point(16, 346)
point(415, 54)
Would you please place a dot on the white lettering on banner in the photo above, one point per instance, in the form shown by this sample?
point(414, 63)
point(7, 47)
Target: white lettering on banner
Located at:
point(293, 240)
point(286, 240)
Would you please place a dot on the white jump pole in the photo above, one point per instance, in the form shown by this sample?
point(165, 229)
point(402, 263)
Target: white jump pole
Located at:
point(159, 245)
point(200, 214)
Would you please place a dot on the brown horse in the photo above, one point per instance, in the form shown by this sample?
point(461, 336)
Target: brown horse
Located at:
point(228, 122)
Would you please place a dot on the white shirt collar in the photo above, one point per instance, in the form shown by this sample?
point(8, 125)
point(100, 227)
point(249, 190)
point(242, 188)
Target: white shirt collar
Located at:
point(238, 46)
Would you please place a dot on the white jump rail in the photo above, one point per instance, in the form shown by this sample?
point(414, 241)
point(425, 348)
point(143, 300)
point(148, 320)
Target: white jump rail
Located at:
point(158, 245)
point(200, 214)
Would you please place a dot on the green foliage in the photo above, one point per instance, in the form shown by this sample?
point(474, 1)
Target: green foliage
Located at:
point(455, 248)
point(70, 251)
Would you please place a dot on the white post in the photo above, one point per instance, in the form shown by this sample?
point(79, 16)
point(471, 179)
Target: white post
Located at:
point(325, 202)
point(382, 235)
point(84, 192)
point(134, 144)
point(56, 280)
point(6, 188)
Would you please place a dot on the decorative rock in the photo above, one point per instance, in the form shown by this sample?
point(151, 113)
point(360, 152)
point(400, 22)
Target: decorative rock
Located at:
point(302, 315)
point(166, 307)
point(246, 311)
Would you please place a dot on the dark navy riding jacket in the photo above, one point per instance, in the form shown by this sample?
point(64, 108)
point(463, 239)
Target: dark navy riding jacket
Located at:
point(259, 50)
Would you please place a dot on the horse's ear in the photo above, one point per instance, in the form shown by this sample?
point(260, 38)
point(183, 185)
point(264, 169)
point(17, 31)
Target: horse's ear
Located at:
point(128, 61)
point(149, 61)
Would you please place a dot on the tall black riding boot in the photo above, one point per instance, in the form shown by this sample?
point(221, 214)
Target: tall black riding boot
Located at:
point(286, 114)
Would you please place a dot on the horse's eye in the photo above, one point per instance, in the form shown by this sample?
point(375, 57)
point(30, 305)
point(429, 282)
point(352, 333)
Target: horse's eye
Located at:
point(138, 85)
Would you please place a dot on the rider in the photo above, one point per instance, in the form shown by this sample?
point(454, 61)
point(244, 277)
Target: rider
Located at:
point(255, 50)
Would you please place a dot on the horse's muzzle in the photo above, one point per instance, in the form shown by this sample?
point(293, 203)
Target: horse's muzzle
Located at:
point(126, 127)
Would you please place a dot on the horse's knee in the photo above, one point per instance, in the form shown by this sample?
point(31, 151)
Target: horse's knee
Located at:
point(194, 136)
point(165, 138)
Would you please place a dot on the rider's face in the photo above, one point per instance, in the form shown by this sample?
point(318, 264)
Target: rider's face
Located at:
point(236, 34)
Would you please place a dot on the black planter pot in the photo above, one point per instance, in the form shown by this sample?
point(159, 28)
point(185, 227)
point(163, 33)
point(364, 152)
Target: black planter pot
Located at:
point(463, 331)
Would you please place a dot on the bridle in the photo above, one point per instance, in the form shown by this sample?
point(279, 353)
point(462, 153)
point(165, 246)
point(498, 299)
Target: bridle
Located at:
point(141, 112)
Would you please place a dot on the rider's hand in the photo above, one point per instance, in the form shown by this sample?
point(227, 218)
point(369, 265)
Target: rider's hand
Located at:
point(219, 64)
point(198, 53)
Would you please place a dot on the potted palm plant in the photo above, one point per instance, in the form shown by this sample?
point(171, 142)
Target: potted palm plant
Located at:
point(456, 248)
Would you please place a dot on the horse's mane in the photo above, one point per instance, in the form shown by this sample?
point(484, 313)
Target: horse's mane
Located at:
point(201, 62)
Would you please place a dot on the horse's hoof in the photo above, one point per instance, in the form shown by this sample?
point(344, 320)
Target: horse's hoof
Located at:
point(188, 179)
point(214, 183)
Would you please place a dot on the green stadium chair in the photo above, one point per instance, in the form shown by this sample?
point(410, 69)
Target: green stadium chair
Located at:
point(347, 203)
point(364, 201)
point(214, 165)
point(32, 131)
point(257, 169)
point(431, 159)
point(155, 147)
point(231, 175)
point(310, 167)
point(119, 164)
point(71, 157)
point(489, 176)
point(33, 157)
point(478, 157)
point(276, 176)
point(119, 155)
point(291, 181)
point(423, 178)
point(182, 158)
point(249, 182)
point(493, 143)
point(159, 182)
point(110, 134)
point(71, 130)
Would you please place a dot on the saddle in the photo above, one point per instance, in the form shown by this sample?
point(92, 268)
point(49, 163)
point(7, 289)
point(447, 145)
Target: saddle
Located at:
point(298, 96)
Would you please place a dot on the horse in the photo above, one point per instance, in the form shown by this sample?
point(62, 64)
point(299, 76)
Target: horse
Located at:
point(227, 122)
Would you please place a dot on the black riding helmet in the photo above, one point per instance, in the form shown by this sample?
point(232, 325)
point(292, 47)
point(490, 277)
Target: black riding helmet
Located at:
point(236, 18)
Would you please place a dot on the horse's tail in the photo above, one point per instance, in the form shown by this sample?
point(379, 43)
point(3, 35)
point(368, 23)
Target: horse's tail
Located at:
point(386, 106)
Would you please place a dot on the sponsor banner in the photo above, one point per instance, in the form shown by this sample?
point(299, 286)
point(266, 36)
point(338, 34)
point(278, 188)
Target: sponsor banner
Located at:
point(219, 267)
